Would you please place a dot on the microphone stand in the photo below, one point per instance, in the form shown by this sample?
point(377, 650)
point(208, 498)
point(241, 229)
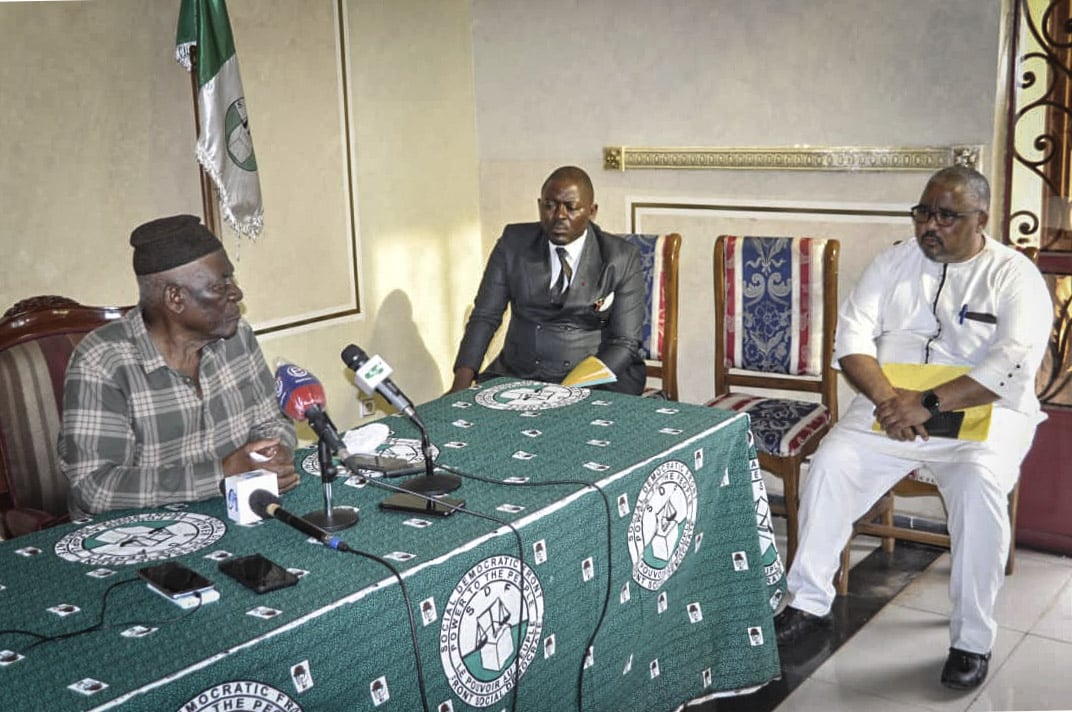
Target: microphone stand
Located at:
point(330, 519)
point(432, 504)
point(432, 483)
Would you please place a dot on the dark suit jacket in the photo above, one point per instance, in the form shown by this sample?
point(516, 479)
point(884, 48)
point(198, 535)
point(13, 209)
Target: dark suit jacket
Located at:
point(544, 342)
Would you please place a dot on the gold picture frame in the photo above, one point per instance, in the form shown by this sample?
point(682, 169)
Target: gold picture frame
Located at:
point(793, 158)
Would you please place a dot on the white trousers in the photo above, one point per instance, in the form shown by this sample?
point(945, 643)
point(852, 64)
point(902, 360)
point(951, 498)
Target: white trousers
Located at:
point(847, 477)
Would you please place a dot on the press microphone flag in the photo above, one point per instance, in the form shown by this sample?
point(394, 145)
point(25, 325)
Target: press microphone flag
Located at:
point(301, 397)
point(266, 505)
point(373, 375)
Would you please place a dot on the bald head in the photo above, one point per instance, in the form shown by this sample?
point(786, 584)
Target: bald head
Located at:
point(574, 175)
point(974, 183)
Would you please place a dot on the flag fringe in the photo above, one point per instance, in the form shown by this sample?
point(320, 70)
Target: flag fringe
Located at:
point(182, 54)
point(249, 227)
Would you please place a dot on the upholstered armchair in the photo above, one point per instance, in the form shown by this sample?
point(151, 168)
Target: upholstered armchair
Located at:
point(37, 337)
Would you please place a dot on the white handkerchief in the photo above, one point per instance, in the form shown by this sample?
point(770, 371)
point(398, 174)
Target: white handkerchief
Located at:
point(366, 439)
point(603, 304)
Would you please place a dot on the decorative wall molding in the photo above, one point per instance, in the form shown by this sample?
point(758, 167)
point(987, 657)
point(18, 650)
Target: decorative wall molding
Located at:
point(802, 158)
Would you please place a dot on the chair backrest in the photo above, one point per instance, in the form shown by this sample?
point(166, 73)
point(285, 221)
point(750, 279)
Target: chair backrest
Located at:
point(776, 306)
point(37, 337)
point(659, 259)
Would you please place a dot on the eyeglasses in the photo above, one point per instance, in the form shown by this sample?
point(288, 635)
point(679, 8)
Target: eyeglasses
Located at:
point(922, 214)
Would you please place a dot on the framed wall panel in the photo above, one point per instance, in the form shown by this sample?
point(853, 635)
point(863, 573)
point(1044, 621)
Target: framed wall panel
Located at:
point(304, 268)
point(862, 229)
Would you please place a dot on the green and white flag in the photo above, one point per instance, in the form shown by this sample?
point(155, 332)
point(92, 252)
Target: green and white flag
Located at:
point(224, 147)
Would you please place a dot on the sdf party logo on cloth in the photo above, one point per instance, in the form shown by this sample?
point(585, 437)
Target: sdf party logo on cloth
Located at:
point(241, 695)
point(139, 538)
point(773, 568)
point(530, 395)
point(491, 629)
point(663, 523)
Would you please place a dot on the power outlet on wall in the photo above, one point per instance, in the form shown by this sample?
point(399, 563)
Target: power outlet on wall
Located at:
point(368, 407)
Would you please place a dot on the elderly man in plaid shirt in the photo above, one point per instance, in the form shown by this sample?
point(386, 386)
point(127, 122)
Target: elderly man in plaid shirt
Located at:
point(161, 405)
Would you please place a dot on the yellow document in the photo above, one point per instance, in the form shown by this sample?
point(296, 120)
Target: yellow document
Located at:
point(920, 377)
point(589, 372)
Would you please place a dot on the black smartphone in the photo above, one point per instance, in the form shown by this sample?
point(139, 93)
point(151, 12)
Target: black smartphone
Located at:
point(438, 506)
point(175, 580)
point(258, 573)
point(945, 425)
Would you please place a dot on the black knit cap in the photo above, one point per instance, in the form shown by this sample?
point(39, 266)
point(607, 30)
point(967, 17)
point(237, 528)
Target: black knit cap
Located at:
point(164, 243)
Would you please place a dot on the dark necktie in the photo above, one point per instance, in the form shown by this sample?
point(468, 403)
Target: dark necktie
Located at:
point(565, 275)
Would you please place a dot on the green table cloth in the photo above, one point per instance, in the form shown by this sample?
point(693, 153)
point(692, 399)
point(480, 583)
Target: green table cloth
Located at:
point(617, 554)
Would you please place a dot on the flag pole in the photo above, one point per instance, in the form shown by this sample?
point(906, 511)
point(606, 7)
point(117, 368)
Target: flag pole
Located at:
point(209, 199)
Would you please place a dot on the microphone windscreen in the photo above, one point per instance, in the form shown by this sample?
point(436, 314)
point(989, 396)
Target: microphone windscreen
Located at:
point(353, 356)
point(259, 499)
point(296, 390)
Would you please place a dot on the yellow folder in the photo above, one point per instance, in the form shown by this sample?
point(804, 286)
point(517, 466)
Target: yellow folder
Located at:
point(589, 372)
point(920, 377)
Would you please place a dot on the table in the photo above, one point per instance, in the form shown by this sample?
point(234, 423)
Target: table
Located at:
point(633, 555)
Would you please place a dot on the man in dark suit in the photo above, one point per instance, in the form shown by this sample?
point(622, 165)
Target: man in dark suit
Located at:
point(574, 291)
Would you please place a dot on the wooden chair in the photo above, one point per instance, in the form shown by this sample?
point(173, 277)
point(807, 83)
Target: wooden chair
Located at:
point(776, 308)
point(37, 337)
point(659, 258)
point(880, 520)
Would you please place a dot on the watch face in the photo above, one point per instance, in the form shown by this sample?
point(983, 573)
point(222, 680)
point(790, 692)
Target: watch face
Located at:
point(930, 401)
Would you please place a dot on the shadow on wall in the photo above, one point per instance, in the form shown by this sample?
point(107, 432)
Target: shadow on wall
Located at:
point(397, 339)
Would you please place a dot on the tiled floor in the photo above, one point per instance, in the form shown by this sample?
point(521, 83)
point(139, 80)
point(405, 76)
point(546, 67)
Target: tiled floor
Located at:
point(891, 636)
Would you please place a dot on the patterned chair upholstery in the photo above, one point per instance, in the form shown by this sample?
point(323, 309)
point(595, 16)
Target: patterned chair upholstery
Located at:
point(659, 259)
point(37, 337)
point(776, 309)
point(879, 520)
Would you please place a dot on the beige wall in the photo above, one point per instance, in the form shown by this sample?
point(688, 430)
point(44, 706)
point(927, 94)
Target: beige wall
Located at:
point(98, 137)
point(96, 127)
point(558, 80)
point(458, 110)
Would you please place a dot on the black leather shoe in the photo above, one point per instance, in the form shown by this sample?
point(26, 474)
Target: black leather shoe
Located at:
point(964, 670)
point(792, 624)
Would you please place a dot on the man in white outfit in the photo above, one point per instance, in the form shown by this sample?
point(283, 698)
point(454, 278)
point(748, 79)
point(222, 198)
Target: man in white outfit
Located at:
point(955, 297)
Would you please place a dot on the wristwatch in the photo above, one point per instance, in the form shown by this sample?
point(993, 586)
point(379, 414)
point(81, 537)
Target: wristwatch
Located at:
point(931, 402)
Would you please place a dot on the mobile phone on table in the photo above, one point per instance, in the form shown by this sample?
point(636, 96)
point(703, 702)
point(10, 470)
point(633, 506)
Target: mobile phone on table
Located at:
point(258, 573)
point(175, 580)
point(438, 506)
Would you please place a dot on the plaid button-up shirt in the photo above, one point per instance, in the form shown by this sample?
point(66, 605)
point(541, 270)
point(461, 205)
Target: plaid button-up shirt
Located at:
point(135, 433)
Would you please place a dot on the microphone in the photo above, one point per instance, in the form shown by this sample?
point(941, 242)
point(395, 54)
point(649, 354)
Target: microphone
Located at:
point(373, 375)
point(266, 506)
point(301, 396)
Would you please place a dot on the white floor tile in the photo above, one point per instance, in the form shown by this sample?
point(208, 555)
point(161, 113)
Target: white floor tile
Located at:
point(1034, 677)
point(818, 695)
point(1056, 623)
point(899, 656)
point(930, 590)
point(1053, 559)
point(1030, 592)
point(1023, 600)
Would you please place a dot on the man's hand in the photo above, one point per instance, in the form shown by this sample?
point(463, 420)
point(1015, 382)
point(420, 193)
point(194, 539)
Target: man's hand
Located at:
point(903, 415)
point(265, 455)
point(463, 378)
